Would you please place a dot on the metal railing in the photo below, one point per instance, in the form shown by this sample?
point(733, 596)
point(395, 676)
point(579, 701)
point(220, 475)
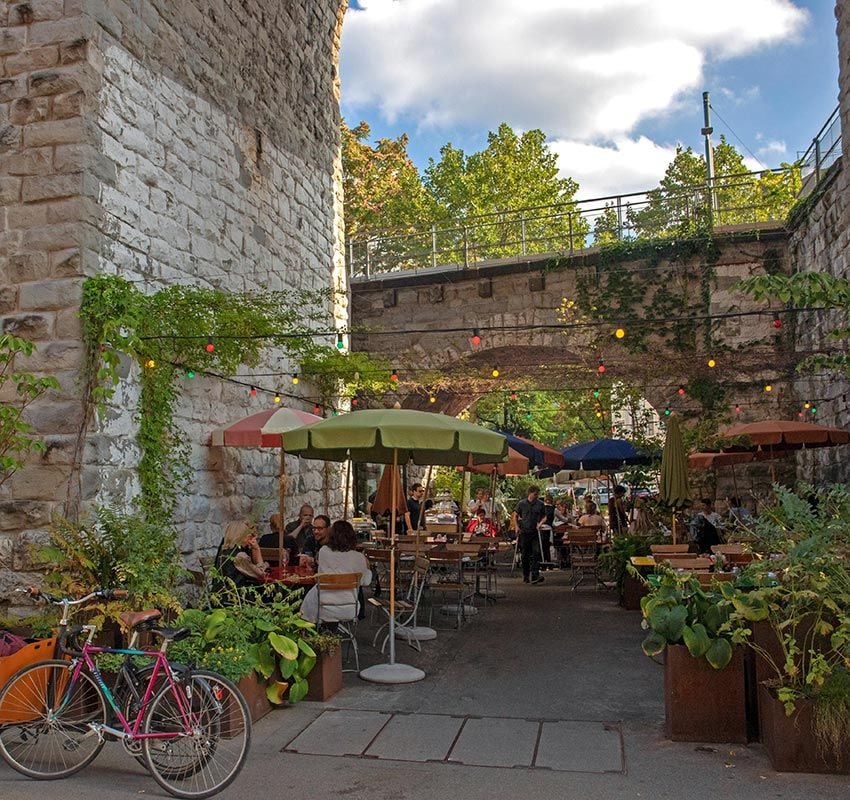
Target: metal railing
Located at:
point(823, 152)
point(568, 227)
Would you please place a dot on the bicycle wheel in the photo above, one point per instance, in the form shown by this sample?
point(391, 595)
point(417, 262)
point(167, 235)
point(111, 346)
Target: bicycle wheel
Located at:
point(205, 760)
point(45, 721)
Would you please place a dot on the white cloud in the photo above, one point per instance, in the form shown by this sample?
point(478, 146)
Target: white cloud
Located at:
point(626, 165)
point(773, 148)
point(578, 70)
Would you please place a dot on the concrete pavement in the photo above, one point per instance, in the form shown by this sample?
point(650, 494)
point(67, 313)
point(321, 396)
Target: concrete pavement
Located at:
point(562, 668)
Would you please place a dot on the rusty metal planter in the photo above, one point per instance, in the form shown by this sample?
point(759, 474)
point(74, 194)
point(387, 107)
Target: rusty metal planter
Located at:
point(704, 704)
point(325, 679)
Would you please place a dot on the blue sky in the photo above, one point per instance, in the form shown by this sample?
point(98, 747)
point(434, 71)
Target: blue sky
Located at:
point(615, 84)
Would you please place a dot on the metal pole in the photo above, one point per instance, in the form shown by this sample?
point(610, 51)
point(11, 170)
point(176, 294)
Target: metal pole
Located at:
point(368, 264)
point(817, 161)
point(351, 258)
point(392, 556)
point(465, 247)
point(570, 220)
point(433, 245)
point(620, 218)
point(522, 224)
point(706, 131)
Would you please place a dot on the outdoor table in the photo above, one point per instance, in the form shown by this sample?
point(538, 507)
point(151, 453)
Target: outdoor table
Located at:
point(290, 577)
point(643, 561)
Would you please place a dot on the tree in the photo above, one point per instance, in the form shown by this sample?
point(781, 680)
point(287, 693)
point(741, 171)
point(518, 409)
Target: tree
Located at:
point(514, 171)
point(17, 437)
point(381, 184)
point(606, 227)
point(680, 205)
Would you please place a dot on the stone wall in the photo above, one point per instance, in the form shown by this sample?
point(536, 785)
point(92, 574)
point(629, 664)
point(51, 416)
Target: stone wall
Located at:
point(192, 142)
point(822, 243)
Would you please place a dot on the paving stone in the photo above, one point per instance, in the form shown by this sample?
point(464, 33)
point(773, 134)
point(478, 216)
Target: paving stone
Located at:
point(580, 746)
point(496, 742)
point(416, 737)
point(340, 733)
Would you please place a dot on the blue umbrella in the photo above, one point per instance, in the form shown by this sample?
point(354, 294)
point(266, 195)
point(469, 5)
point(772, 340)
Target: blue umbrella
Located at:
point(604, 454)
point(525, 448)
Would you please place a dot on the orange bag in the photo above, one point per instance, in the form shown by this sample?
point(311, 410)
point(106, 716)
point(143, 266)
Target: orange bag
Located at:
point(11, 708)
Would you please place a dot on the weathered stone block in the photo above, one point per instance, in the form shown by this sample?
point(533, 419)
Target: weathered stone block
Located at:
point(74, 51)
point(42, 84)
point(10, 138)
point(29, 109)
point(10, 190)
point(18, 514)
point(27, 267)
point(28, 545)
point(20, 217)
point(65, 263)
point(30, 326)
point(68, 105)
point(50, 132)
point(49, 294)
point(51, 417)
point(59, 449)
point(32, 59)
point(12, 40)
point(36, 482)
point(46, 187)
point(68, 325)
point(8, 299)
point(37, 161)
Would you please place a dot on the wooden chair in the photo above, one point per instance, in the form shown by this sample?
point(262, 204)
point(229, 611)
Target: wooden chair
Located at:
point(337, 596)
point(584, 557)
point(738, 559)
point(727, 549)
point(707, 578)
point(662, 558)
point(273, 555)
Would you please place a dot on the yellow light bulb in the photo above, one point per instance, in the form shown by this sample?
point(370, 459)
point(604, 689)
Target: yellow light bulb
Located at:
point(807, 406)
point(599, 414)
point(711, 363)
point(295, 379)
point(432, 399)
point(619, 333)
point(150, 363)
point(768, 387)
point(495, 373)
point(277, 398)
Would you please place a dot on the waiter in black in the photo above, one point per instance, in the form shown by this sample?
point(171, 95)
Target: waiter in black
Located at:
point(525, 520)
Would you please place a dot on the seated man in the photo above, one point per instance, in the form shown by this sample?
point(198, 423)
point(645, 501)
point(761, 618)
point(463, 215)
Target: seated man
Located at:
point(313, 543)
point(706, 527)
point(272, 541)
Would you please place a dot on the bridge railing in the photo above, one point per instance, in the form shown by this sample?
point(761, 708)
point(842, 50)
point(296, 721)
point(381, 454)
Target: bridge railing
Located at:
point(823, 152)
point(568, 227)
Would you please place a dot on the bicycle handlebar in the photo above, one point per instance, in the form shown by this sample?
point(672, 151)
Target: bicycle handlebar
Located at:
point(104, 594)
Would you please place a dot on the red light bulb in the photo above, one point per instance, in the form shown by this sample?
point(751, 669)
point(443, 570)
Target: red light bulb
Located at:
point(355, 401)
point(317, 409)
point(209, 347)
point(601, 368)
point(476, 338)
point(513, 396)
point(680, 391)
point(737, 409)
point(777, 323)
point(394, 377)
point(252, 391)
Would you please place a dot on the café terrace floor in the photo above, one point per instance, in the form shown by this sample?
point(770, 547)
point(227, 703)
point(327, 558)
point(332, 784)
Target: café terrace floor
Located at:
point(544, 695)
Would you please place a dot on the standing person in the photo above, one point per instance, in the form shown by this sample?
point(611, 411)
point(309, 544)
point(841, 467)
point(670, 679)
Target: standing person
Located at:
point(546, 528)
point(618, 518)
point(525, 520)
point(415, 501)
point(301, 528)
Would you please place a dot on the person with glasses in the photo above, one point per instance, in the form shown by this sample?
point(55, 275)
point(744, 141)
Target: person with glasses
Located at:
point(415, 508)
point(313, 543)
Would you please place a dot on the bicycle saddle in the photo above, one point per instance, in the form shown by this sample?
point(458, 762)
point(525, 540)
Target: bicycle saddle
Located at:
point(133, 619)
point(171, 634)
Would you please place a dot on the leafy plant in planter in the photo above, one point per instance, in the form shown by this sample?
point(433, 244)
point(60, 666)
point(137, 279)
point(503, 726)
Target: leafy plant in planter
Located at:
point(252, 632)
point(802, 592)
point(113, 550)
point(680, 611)
point(617, 559)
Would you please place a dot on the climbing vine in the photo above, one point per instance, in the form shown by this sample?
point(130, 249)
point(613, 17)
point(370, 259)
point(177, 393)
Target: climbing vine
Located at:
point(172, 334)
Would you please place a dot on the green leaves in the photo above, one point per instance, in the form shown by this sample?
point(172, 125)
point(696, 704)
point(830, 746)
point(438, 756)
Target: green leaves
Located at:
point(719, 653)
point(669, 622)
point(287, 647)
point(696, 640)
point(654, 644)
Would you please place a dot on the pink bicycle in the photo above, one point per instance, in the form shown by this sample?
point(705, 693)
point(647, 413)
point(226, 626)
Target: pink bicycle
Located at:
point(190, 727)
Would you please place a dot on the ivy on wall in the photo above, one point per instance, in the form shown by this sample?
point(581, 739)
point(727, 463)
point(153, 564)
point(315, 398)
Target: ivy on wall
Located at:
point(174, 332)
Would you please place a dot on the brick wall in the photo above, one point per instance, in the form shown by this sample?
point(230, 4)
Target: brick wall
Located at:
point(190, 142)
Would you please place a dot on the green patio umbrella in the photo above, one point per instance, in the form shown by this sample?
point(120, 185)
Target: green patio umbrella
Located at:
point(674, 490)
point(396, 436)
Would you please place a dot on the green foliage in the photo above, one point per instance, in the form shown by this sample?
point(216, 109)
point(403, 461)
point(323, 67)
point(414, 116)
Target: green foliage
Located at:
point(38, 626)
point(113, 550)
point(803, 592)
point(252, 631)
point(17, 436)
point(679, 611)
point(617, 558)
point(334, 372)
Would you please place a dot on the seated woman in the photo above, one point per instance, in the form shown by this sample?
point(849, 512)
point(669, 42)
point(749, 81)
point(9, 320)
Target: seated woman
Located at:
point(337, 555)
point(238, 558)
point(591, 517)
point(272, 541)
point(479, 525)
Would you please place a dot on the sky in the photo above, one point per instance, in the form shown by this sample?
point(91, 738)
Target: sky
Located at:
point(614, 84)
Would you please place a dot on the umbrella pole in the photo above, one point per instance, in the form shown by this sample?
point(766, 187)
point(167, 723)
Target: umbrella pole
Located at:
point(392, 557)
point(281, 481)
point(422, 505)
point(347, 489)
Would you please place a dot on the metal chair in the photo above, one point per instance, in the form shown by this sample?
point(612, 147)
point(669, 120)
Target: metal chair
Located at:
point(406, 607)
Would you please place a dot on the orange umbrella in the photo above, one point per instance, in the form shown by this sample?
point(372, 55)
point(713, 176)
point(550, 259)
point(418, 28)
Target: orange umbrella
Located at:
point(782, 434)
point(384, 496)
point(517, 464)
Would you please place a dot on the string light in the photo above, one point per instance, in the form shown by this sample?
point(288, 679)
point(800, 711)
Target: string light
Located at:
point(277, 398)
point(495, 373)
point(596, 393)
point(667, 412)
point(814, 410)
point(737, 409)
point(476, 337)
point(599, 414)
point(513, 397)
point(800, 414)
point(768, 387)
point(317, 409)
point(354, 402)
point(394, 376)
point(340, 344)
point(253, 391)
point(681, 391)
point(209, 346)
point(431, 398)
point(620, 333)
point(777, 322)
point(150, 363)
point(295, 379)
point(807, 405)
point(711, 363)
point(190, 373)
point(601, 368)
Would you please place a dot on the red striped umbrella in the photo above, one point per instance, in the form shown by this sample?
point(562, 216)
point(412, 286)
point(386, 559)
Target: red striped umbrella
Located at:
point(262, 429)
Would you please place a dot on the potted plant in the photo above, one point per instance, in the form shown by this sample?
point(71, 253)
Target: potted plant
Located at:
point(256, 639)
point(704, 684)
point(798, 615)
point(616, 561)
point(326, 678)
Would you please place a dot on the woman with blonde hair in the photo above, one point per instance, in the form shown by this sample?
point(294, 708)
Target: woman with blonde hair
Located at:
point(238, 558)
